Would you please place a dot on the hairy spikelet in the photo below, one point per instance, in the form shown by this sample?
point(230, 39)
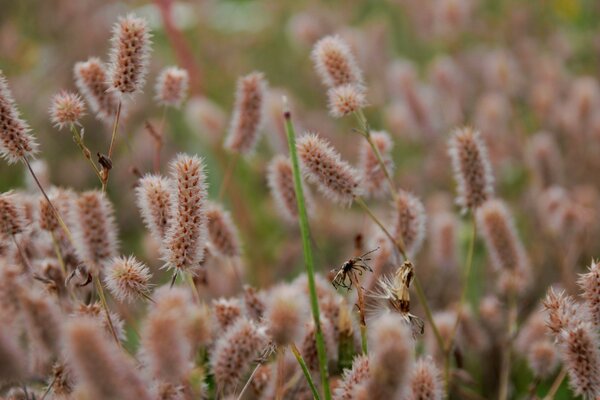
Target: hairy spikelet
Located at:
point(284, 316)
point(248, 113)
point(63, 200)
point(127, 278)
point(129, 55)
point(96, 312)
point(222, 232)
point(425, 381)
point(186, 237)
point(101, 367)
point(66, 109)
point(172, 86)
point(352, 378)
point(542, 358)
point(562, 312)
point(373, 176)
point(281, 183)
point(345, 100)
point(254, 303)
point(391, 357)
point(12, 215)
point(15, 140)
point(323, 166)
point(226, 312)
point(234, 353)
point(544, 159)
point(154, 201)
point(444, 240)
point(92, 82)
point(335, 63)
point(42, 319)
point(94, 229)
point(472, 169)
point(581, 356)
point(308, 344)
point(590, 286)
point(409, 221)
point(61, 381)
point(12, 366)
point(504, 246)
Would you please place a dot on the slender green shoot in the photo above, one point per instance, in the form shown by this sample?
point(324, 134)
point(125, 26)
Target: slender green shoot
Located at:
point(305, 371)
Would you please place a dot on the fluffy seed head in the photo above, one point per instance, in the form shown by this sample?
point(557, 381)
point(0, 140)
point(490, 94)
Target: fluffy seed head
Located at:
point(284, 316)
point(281, 183)
point(425, 381)
point(234, 353)
point(15, 140)
point(91, 81)
point(373, 176)
point(542, 358)
point(562, 312)
point(12, 366)
point(100, 366)
point(127, 278)
point(222, 232)
point(12, 215)
point(409, 221)
point(353, 378)
point(472, 169)
point(590, 286)
point(581, 356)
point(96, 312)
point(42, 320)
point(226, 312)
point(254, 303)
point(129, 54)
point(172, 86)
point(94, 229)
point(345, 100)
point(323, 166)
point(335, 62)
point(66, 109)
point(154, 201)
point(187, 234)
point(248, 113)
point(506, 250)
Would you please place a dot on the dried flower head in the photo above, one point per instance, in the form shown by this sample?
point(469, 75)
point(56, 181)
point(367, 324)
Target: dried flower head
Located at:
point(345, 100)
point(94, 229)
point(308, 344)
point(409, 221)
point(562, 312)
point(581, 356)
point(100, 366)
point(281, 183)
point(12, 366)
point(154, 201)
point(254, 303)
point(222, 232)
point(234, 352)
point(91, 80)
point(186, 237)
point(62, 199)
point(425, 381)
point(542, 358)
point(127, 278)
point(335, 62)
point(96, 312)
point(285, 316)
point(15, 140)
point(353, 378)
point(373, 176)
point(172, 86)
point(226, 312)
point(43, 323)
point(590, 286)
point(504, 246)
point(129, 54)
point(472, 169)
point(323, 166)
point(66, 109)
point(248, 113)
point(12, 215)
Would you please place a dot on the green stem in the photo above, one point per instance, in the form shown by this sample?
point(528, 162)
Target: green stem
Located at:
point(308, 258)
point(305, 371)
point(112, 144)
point(100, 291)
point(78, 138)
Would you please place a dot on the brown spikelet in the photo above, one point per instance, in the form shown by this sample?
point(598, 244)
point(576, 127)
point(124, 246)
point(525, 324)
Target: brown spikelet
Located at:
point(581, 356)
point(324, 167)
point(248, 114)
point(92, 81)
point(15, 140)
point(335, 63)
point(472, 169)
point(226, 312)
point(129, 54)
point(234, 352)
point(345, 100)
point(154, 202)
point(409, 221)
point(281, 183)
point(42, 318)
point(425, 381)
point(590, 286)
point(63, 200)
point(12, 366)
point(127, 278)
point(352, 378)
point(562, 312)
point(284, 316)
point(100, 366)
point(96, 312)
point(94, 229)
point(66, 109)
point(254, 303)
point(542, 358)
point(222, 233)
point(373, 176)
point(172, 86)
point(308, 344)
point(12, 215)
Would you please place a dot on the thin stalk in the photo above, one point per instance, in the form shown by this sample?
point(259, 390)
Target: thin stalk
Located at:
point(249, 381)
point(361, 312)
point(112, 144)
point(100, 291)
point(305, 371)
point(556, 384)
point(279, 389)
point(231, 164)
point(397, 243)
point(78, 138)
point(49, 388)
point(308, 258)
point(190, 279)
point(506, 353)
point(24, 258)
